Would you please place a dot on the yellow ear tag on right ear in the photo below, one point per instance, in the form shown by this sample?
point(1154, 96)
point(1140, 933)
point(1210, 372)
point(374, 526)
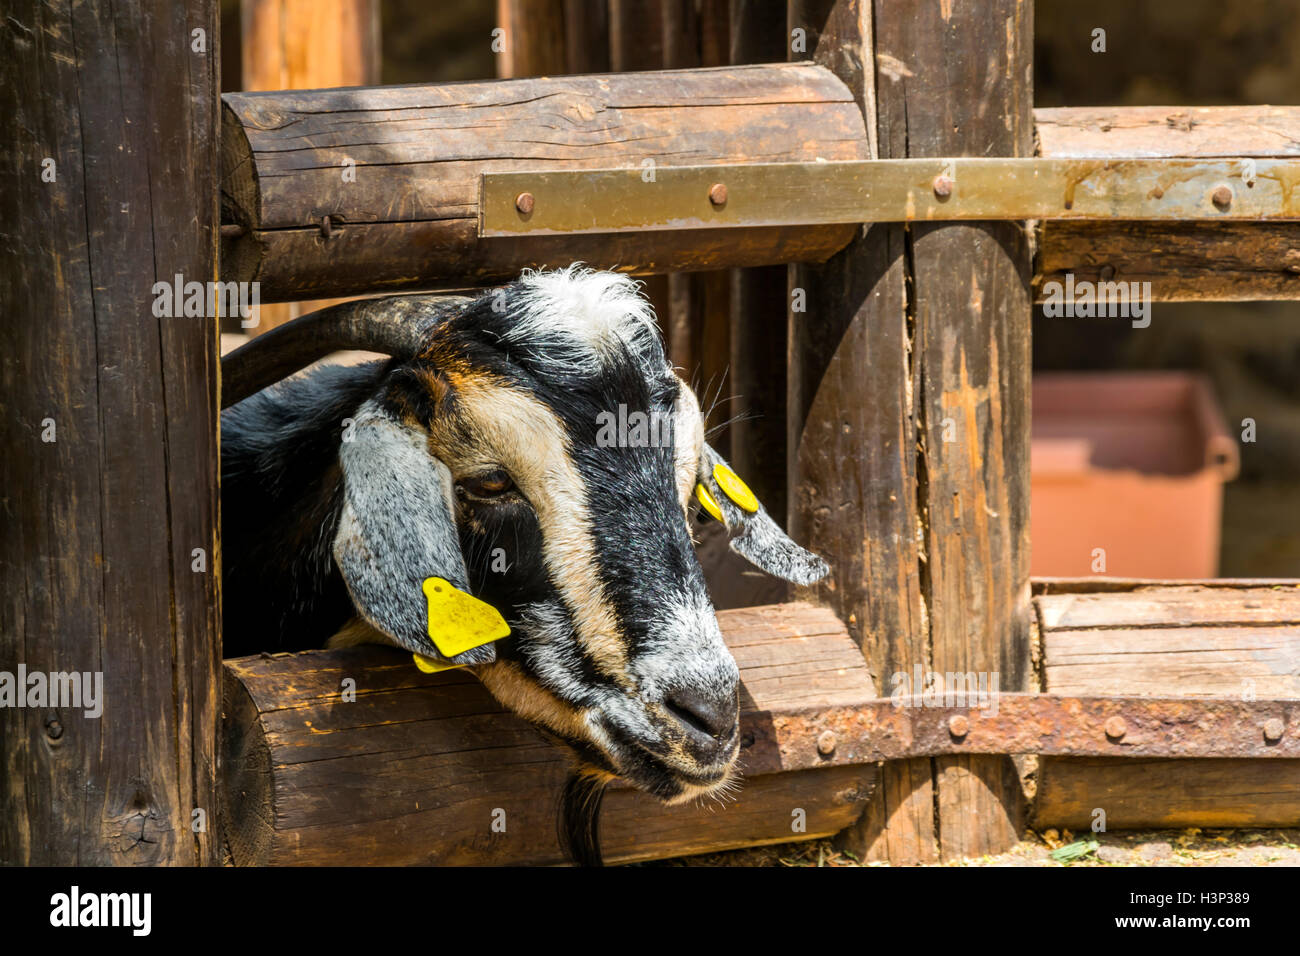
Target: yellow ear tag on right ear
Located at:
point(430, 666)
point(458, 621)
point(735, 489)
point(707, 501)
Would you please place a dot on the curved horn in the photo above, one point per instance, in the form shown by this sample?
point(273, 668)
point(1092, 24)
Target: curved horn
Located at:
point(395, 325)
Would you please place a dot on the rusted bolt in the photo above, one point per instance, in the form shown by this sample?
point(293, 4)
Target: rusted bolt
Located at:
point(524, 203)
point(1273, 729)
point(1222, 197)
point(1107, 272)
point(958, 725)
point(1116, 728)
point(54, 729)
point(718, 194)
point(826, 743)
point(943, 186)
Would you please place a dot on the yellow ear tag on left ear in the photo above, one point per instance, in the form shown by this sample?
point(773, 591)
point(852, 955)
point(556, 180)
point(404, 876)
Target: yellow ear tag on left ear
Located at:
point(706, 499)
point(458, 621)
point(735, 489)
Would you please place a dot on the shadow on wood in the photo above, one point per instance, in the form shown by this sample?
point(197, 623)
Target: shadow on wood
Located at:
point(429, 769)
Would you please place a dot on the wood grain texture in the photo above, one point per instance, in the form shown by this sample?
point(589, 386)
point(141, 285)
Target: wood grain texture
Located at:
point(759, 305)
point(305, 45)
point(1228, 132)
point(1182, 261)
point(1162, 794)
point(852, 443)
point(413, 769)
point(99, 523)
point(1171, 639)
point(410, 216)
point(957, 81)
point(538, 35)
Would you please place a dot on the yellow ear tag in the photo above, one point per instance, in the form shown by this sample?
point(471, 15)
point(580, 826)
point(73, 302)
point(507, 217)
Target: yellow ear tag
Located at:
point(707, 501)
point(431, 666)
point(735, 489)
point(458, 621)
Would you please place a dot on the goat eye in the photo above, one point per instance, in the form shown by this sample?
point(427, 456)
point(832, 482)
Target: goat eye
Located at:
point(490, 485)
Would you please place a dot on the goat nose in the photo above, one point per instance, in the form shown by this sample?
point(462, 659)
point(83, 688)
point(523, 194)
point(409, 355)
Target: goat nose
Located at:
point(709, 719)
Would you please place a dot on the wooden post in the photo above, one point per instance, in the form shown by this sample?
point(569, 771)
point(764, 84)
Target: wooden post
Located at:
point(699, 333)
point(913, 362)
point(536, 37)
point(306, 45)
point(109, 558)
point(758, 306)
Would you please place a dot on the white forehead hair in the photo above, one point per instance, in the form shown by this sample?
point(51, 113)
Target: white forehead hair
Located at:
point(595, 314)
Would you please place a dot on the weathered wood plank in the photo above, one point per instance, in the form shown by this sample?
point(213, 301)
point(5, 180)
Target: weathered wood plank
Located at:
point(1182, 261)
point(409, 215)
point(1201, 639)
point(1141, 794)
point(1155, 131)
point(958, 82)
point(109, 430)
point(414, 769)
point(852, 442)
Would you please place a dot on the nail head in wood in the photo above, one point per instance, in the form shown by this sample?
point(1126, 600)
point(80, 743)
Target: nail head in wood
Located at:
point(524, 203)
point(1222, 197)
point(717, 194)
point(943, 186)
point(1273, 729)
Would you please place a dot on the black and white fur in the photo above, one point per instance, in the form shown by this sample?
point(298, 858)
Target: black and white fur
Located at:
point(344, 488)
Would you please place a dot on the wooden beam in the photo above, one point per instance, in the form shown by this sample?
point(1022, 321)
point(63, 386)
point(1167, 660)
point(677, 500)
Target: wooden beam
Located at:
point(109, 557)
point(1223, 639)
point(409, 216)
point(1182, 261)
point(417, 768)
point(852, 442)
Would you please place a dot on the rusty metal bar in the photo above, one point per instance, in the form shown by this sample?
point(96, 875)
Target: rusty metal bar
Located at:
point(891, 190)
point(1045, 724)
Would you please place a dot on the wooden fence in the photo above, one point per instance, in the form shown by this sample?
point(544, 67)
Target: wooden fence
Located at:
point(873, 339)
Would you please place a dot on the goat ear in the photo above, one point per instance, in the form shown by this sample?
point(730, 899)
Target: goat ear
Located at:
point(754, 535)
point(397, 536)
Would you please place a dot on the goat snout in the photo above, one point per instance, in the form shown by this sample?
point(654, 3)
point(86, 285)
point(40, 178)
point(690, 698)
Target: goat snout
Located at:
point(709, 719)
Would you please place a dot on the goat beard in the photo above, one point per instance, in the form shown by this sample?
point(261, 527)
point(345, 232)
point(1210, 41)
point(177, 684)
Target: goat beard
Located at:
point(579, 815)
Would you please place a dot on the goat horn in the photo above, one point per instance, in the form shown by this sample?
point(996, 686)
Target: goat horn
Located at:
point(395, 325)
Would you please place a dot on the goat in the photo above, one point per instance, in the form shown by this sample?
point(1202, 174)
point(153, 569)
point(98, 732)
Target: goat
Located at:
point(345, 489)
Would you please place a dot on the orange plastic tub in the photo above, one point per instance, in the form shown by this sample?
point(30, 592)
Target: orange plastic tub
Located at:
point(1127, 475)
